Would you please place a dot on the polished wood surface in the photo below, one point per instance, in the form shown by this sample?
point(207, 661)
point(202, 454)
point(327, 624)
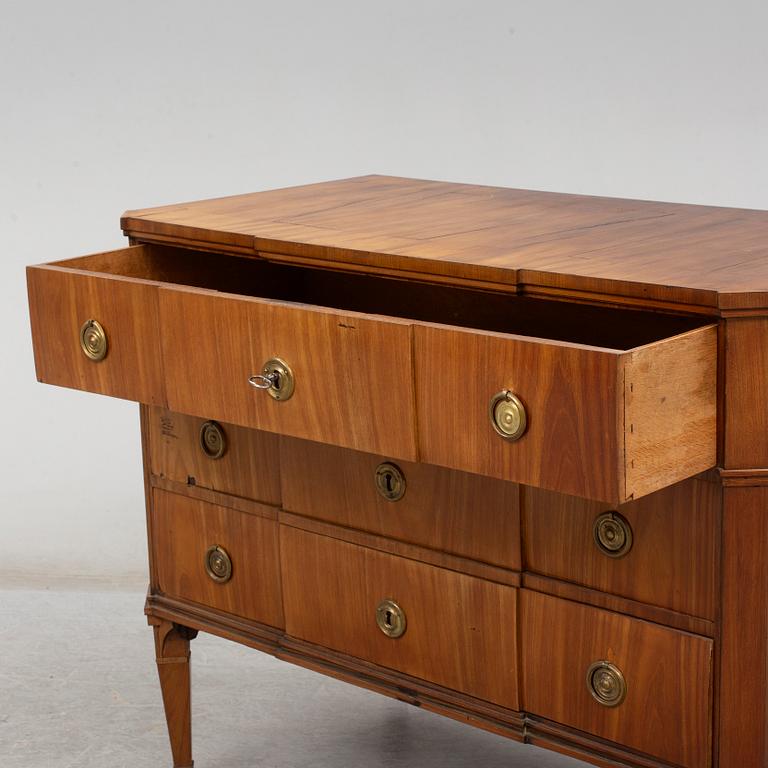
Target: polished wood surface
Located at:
point(172, 656)
point(349, 369)
point(249, 467)
point(460, 632)
point(634, 333)
point(454, 512)
point(667, 710)
point(61, 300)
point(581, 402)
point(744, 638)
point(746, 393)
point(536, 240)
point(182, 531)
point(673, 561)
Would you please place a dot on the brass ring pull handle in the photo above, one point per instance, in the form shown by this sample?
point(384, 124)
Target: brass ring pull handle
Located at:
point(218, 564)
point(276, 379)
point(612, 534)
point(390, 619)
point(93, 340)
point(508, 415)
point(606, 683)
point(213, 441)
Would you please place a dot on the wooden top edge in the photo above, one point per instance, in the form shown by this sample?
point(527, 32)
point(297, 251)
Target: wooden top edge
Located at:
point(707, 258)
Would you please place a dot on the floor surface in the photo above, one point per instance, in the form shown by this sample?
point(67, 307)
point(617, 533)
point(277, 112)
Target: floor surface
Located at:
point(78, 689)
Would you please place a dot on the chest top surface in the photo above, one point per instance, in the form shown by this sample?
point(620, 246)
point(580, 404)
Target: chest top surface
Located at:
point(537, 241)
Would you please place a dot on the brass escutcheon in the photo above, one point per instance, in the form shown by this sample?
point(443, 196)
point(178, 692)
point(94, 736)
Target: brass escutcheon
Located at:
point(390, 618)
point(612, 534)
point(218, 564)
point(213, 441)
point(276, 378)
point(93, 340)
point(606, 683)
point(390, 481)
point(507, 414)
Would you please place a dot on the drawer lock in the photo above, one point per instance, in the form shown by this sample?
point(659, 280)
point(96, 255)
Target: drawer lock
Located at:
point(390, 481)
point(612, 534)
point(606, 683)
point(213, 441)
point(218, 564)
point(390, 618)
point(507, 414)
point(93, 340)
point(276, 378)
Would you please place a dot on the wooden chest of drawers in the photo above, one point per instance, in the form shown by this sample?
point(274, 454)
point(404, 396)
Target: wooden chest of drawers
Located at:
point(493, 452)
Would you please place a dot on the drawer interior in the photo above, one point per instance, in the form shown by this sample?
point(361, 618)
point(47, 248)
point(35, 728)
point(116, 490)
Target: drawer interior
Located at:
point(606, 327)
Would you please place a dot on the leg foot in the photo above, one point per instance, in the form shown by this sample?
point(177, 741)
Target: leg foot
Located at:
point(172, 655)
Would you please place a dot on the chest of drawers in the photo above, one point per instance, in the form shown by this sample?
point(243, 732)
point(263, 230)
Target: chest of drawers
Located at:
point(496, 453)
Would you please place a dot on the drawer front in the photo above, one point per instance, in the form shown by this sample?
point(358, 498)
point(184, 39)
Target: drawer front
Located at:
point(660, 550)
point(455, 512)
point(217, 557)
point(460, 632)
point(667, 678)
point(223, 457)
point(62, 301)
point(600, 424)
point(353, 374)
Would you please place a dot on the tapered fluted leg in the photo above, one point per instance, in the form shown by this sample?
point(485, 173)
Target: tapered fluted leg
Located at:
point(172, 654)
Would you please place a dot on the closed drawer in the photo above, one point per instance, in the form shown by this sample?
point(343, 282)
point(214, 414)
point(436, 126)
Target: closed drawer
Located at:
point(660, 550)
point(602, 403)
point(221, 457)
point(446, 510)
point(217, 557)
point(459, 631)
point(622, 679)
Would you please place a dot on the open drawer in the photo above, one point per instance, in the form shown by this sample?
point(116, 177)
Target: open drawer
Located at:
point(617, 403)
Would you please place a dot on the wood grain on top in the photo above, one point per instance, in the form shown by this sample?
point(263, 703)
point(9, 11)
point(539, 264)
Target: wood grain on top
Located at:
point(692, 254)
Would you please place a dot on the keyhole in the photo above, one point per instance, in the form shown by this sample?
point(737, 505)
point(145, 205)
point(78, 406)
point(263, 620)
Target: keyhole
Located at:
point(276, 380)
point(389, 482)
point(388, 618)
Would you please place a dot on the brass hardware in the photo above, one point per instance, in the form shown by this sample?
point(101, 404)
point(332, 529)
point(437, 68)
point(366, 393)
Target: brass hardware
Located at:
point(507, 414)
point(276, 378)
point(218, 564)
point(390, 618)
point(390, 481)
point(613, 534)
point(213, 441)
point(606, 683)
point(93, 340)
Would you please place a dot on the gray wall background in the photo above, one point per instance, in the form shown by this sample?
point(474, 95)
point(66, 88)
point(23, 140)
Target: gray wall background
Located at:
point(106, 106)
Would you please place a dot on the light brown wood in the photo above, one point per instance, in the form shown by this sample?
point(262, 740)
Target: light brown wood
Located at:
point(182, 531)
point(449, 511)
point(461, 630)
point(172, 654)
point(667, 710)
point(576, 439)
point(670, 411)
point(250, 466)
point(61, 300)
point(350, 370)
point(673, 561)
point(639, 249)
